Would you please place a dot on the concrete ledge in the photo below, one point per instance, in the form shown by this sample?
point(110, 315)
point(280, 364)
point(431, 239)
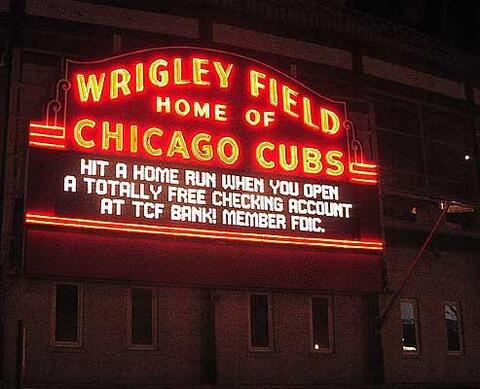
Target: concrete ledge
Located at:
point(114, 17)
point(411, 77)
point(249, 39)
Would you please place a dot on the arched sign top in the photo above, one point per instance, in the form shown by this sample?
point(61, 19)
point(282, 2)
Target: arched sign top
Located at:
point(210, 52)
point(219, 121)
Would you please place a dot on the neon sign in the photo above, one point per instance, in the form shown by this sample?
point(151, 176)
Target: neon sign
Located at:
point(200, 143)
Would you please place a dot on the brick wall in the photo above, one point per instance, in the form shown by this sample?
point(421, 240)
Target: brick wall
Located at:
point(291, 359)
point(179, 358)
point(104, 356)
point(440, 276)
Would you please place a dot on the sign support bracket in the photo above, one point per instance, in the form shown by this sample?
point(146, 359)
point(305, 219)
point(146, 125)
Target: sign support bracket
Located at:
point(414, 264)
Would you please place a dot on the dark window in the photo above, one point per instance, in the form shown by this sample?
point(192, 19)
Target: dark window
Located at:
point(409, 326)
point(454, 328)
point(141, 316)
point(259, 320)
point(67, 313)
point(321, 323)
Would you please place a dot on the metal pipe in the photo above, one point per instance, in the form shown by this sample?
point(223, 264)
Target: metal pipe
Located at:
point(413, 266)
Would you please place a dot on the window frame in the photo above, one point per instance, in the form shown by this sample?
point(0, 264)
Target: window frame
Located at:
point(414, 302)
point(323, 350)
point(53, 339)
point(134, 346)
point(460, 327)
point(270, 347)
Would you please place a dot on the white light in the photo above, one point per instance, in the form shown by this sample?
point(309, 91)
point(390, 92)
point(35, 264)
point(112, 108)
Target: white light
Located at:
point(316, 347)
point(467, 157)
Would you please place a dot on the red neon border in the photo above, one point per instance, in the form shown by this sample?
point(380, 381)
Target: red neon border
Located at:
point(33, 218)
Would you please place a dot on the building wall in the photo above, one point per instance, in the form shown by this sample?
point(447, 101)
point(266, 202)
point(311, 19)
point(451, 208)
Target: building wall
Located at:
point(104, 355)
point(291, 359)
point(180, 354)
point(440, 276)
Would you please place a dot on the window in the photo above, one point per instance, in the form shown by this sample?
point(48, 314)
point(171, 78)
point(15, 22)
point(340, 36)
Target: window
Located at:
point(260, 322)
point(67, 314)
point(410, 341)
point(322, 328)
point(454, 328)
point(142, 315)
